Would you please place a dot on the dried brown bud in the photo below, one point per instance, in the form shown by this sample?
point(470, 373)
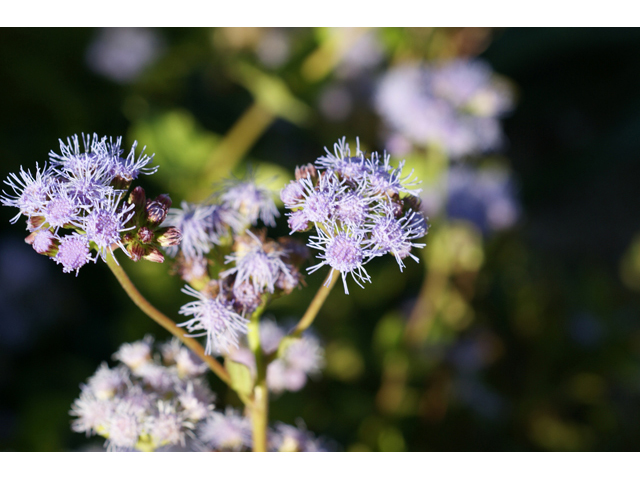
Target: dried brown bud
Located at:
point(304, 171)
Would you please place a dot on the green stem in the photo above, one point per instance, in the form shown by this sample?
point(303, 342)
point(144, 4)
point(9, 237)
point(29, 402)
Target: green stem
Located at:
point(165, 321)
point(260, 409)
point(315, 305)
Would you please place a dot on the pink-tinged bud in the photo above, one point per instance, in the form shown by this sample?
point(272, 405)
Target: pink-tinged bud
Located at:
point(304, 171)
point(169, 236)
point(154, 255)
point(33, 223)
point(157, 209)
point(136, 251)
point(138, 198)
point(145, 235)
point(44, 242)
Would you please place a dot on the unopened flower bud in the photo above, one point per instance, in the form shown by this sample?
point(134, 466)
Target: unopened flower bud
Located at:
point(44, 242)
point(33, 223)
point(169, 236)
point(303, 171)
point(157, 209)
point(145, 234)
point(136, 251)
point(154, 255)
point(138, 198)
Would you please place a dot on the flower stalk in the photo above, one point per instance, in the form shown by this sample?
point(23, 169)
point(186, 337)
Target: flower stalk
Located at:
point(165, 321)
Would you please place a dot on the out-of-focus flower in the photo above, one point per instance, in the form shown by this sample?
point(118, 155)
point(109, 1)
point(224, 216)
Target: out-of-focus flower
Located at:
point(484, 197)
point(141, 404)
point(455, 106)
point(287, 438)
point(122, 54)
point(228, 431)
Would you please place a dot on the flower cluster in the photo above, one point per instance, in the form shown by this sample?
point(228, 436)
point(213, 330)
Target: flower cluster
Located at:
point(77, 204)
point(162, 402)
point(145, 403)
point(455, 105)
point(296, 359)
point(360, 207)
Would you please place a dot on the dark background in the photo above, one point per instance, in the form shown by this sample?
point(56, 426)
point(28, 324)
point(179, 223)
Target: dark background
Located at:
point(556, 308)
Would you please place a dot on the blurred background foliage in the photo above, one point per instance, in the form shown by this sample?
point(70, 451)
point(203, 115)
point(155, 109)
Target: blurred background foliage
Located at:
point(518, 338)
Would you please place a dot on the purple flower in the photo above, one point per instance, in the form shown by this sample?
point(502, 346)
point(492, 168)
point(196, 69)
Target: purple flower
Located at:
point(345, 252)
point(251, 201)
point(195, 223)
point(30, 193)
point(254, 264)
point(288, 438)
point(392, 235)
point(216, 317)
point(106, 221)
point(73, 252)
point(227, 431)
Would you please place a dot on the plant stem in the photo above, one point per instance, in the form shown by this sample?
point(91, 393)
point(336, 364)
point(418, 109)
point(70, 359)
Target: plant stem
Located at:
point(260, 409)
point(165, 321)
point(315, 305)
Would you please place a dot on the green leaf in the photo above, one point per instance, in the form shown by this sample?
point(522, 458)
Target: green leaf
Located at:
point(241, 377)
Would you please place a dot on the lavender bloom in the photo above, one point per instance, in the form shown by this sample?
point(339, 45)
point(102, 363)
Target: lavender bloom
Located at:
point(144, 407)
point(30, 192)
point(454, 105)
point(254, 264)
point(357, 206)
point(78, 192)
point(73, 253)
point(228, 432)
point(195, 223)
point(122, 54)
point(251, 201)
point(135, 355)
point(106, 222)
point(345, 252)
point(302, 358)
point(216, 317)
point(392, 235)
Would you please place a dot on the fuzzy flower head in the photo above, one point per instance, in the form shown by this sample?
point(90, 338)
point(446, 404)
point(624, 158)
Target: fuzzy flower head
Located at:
point(361, 207)
point(228, 431)
point(251, 201)
point(216, 318)
point(78, 203)
point(143, 404)
point(195, 223)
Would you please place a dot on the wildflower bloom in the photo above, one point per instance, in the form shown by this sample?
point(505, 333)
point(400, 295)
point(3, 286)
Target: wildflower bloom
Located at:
point(216, 317)
point(361, 208)
point(144, 407)
point(195, 223)
point(287, 438)
point(251, 201)
point(228, 431)
point(77, 203)
point(253, 263)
